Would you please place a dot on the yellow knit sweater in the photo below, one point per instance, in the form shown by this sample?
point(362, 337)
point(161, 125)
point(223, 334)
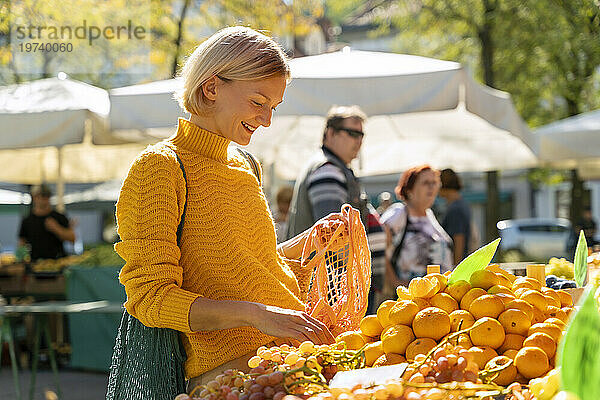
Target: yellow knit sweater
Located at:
point(228, 249)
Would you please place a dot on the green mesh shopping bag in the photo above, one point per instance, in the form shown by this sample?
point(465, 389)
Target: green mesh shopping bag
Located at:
point(147, 363)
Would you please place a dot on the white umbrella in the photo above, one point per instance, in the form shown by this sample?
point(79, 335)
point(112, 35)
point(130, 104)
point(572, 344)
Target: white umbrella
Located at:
point(572, 142)
point(49, 131)
point(420, 109)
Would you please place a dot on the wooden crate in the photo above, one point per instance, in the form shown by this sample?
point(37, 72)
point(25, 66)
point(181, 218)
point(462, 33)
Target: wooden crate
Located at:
point(45, 284)
point(12, 279)
point(575, 294)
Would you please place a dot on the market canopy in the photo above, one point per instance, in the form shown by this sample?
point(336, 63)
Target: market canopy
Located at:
point(420, 110)
point(50, 131)
point(572, 142)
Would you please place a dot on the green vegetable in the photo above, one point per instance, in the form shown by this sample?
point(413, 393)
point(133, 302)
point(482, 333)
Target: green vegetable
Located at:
point(479, 259)
point(579, 353)
point(580, 261)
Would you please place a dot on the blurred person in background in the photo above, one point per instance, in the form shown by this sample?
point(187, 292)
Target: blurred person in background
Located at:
point(280, 216)
point(586, 224)
point(327, 181)
point(457, 221)
point(385, 201)
point(414, 238)
point(44, 230)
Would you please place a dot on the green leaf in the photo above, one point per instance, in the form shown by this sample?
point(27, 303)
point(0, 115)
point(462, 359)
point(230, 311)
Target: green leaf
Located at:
point(579, 357)
point(477, 260)
point(580, 261)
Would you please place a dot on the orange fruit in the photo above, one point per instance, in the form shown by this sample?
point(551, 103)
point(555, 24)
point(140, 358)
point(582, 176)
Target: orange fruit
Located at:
point(568, 310)
point(506, 298)
point(444, 301)
point(483, 279)
point(372, 352)
point(536, 299)
point(519, 292)
point(471, 295)
point(462, 340)
point(522, 305)
point(370, 326)
point(458, 289)
point(403, 293)
point(462, 318)
point(486, 306)
point(514, 321)
point(421, 302)
point(551, 301)
point(389, 359)
point(496, 269)
point(396, 339)
point(511, 342)
point(419, 346)
point(504, 281)
point(442, 281)
point(566, 299)
point(368, 339)
point(403, 312)
point(353, 340)
point(506, 375)
point(383, 312)
point(500, 289)
point(487, 332)
point(543, 341)
point(560, 323)
point(531, 362)
point(538, 316)
point(525, 281)
point(546, 291)
point(481, 355)
point(552, 330)
point(435, 286)
point(421, 287)
point(431, 322)
point(510, 353)
point(557, 313)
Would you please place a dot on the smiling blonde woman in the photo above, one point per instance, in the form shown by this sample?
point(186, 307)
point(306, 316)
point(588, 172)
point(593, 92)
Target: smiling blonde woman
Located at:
point(227, 287)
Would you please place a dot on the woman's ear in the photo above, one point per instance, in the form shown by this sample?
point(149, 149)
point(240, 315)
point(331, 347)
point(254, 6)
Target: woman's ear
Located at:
point(209, 88)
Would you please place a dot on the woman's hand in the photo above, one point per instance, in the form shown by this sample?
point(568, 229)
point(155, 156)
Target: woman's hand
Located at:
point(285, 323)
point(210, 315)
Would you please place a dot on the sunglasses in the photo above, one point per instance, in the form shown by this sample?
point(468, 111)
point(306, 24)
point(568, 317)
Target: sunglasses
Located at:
point(353, 132)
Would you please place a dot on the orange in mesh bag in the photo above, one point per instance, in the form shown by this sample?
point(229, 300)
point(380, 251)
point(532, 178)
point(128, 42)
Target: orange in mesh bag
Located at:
point(337, 251)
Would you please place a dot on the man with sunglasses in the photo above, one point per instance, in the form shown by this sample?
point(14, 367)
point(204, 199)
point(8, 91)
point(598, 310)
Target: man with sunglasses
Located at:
point(327, 182)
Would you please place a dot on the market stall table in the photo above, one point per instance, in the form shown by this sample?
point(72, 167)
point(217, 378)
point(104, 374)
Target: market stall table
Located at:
point(40, 312)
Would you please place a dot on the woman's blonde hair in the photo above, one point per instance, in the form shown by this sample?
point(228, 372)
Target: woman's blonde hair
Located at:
point(233, 53)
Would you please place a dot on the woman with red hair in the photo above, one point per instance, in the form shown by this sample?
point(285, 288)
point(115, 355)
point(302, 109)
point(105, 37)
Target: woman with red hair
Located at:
point(415, 239)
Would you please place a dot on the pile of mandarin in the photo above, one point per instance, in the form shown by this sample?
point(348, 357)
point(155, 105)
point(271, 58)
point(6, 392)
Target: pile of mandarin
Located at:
point(516, 317)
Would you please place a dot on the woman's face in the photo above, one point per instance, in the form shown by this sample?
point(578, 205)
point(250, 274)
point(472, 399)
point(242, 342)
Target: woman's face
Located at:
point(240, 107)
point(425, 190)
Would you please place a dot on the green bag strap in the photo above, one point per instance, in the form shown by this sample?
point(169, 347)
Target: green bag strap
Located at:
point(181, 221)
point(148, 363)
point(253, 163)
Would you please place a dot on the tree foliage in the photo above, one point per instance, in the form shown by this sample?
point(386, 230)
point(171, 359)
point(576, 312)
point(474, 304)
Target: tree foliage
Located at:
point(175, 27)
point(544, 52)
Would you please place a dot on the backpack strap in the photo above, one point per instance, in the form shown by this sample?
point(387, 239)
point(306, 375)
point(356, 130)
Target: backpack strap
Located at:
point(398, 248)
point(253, 163)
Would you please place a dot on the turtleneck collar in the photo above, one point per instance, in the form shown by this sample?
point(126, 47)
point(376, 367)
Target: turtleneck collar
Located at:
point(197, 140)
